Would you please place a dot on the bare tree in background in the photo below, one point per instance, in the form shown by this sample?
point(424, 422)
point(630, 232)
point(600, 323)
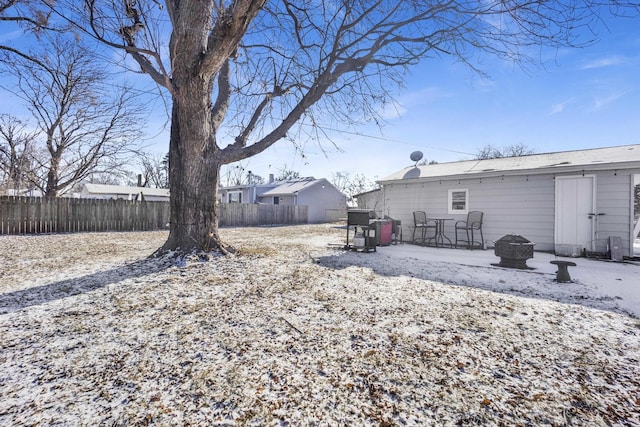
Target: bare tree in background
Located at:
point(493, 152)
point(350, 184)
point(31, 16)
point(244, 74)
point(285, 174)
point(155, 171)
point(16, 154)
point(84, 125)
point(233, 174)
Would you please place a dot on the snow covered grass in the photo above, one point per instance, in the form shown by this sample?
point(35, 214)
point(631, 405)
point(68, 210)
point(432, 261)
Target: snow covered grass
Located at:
point(291, 331)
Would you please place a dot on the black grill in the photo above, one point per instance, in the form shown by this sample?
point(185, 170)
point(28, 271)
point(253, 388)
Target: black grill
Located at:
point(360, 217)
point(361, 223)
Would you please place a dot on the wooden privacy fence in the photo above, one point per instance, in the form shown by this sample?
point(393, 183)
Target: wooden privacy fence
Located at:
point(240, 214)
point(34, 215)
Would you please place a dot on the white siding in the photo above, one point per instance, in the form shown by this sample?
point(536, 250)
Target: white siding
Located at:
point(288, 200)
point(511, 205)
point(320, 199)
point(614, 198)
point(522, 205)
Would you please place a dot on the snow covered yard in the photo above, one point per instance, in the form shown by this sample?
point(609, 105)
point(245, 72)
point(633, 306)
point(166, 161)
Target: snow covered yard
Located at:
point(293, 332)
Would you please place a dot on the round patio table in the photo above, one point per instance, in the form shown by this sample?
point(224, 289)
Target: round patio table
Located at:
point(440, 237)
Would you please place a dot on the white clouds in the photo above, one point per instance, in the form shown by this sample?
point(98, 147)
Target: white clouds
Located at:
point(560, 107)
point(594, 103)
point(602, 101)
point(608, 61)
point(557, 108)
point(424, 95)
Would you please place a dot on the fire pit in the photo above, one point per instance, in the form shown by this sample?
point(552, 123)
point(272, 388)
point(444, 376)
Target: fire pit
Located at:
point(514, 251)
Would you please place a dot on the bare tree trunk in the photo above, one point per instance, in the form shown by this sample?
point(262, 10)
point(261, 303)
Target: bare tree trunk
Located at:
point(194, 173)
point(51, 188)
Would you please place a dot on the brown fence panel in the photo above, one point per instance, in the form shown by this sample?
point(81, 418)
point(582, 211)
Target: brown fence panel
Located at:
point(32, 215)
point(267, 214)
point(3, 218)
point(48, 218)
point(246, 214)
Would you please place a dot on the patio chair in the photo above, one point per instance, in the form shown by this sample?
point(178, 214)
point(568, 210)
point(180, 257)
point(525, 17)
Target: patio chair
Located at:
point(420, 222)
point(470, 226)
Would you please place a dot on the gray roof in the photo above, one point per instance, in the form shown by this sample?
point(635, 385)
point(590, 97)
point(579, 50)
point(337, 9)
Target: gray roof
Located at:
point(621, 157)
point(246, 186)
point(121, 189)
point(293, 186)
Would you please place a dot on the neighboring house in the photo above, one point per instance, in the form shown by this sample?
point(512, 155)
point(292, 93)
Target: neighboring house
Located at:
point(248, 193)
point(372, 200)
point(563, 202)
point(102, 191)
point(24, 193)
point(326, 203)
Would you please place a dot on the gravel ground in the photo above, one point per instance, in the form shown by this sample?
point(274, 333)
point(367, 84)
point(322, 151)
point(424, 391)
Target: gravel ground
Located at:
point(292, 330)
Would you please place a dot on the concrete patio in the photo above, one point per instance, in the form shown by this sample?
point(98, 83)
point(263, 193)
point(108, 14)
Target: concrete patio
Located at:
point(619, 280)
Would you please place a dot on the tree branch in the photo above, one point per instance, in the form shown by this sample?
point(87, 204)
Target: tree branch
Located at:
point(224, 94)
point(230, 27)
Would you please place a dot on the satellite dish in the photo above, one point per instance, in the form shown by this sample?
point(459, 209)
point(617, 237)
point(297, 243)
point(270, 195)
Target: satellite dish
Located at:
point(416, 156)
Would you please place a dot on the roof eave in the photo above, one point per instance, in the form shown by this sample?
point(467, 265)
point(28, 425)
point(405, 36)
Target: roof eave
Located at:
point(582, 168)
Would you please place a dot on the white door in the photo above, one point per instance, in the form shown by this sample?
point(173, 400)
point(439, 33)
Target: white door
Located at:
point(575, 203)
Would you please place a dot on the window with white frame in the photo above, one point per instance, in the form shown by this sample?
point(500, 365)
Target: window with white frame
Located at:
point(234, 196)
point(459, 201)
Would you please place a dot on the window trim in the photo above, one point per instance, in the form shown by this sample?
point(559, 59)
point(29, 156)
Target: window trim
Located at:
point(231, 193)
point(450, 206)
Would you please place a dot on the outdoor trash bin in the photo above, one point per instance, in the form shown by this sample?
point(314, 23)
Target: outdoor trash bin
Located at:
point(396, 229)
point(384, 230)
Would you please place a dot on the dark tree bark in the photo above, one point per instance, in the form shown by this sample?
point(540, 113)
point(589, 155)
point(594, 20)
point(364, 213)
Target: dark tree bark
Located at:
point(194, 173)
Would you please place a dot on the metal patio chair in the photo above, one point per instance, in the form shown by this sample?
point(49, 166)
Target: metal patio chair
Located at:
point(470, 226)
point(420, 222)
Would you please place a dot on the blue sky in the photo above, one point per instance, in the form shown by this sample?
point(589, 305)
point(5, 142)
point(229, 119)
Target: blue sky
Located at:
point(575, 99)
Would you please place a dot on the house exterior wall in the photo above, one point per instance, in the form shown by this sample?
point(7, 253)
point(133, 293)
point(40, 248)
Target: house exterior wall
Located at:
point(250, 194)
point(84, 194)
point(511, 205)
point(150, 198)
point(284, 200)
point(516, 204)
point(323, 201)
point(372, 200)
point(615, 200)
point(224, 194)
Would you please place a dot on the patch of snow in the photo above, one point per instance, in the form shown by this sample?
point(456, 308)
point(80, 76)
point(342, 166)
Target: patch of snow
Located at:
point(293, 330)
